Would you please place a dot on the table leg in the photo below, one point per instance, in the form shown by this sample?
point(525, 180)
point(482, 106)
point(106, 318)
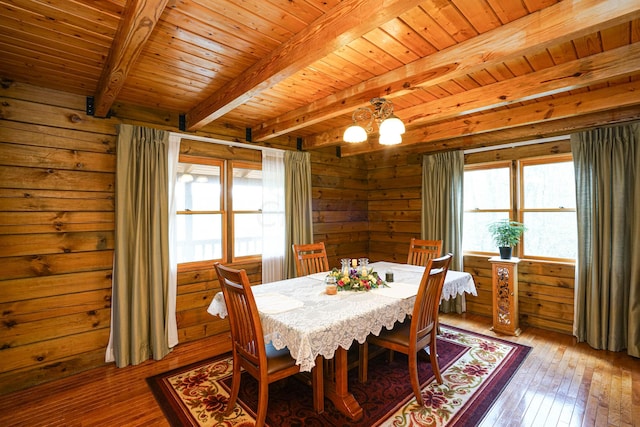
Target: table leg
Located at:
point(318, 385)
point(337, 389)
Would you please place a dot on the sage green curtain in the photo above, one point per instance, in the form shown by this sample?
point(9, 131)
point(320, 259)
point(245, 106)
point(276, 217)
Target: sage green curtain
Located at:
point(607, 289)
point(442, 210)
point(141, 257)
point(298, 207)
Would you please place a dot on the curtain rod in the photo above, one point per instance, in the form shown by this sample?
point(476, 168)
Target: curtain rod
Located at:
point(223, 142)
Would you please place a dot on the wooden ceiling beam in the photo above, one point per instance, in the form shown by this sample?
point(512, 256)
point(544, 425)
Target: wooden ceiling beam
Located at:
point(138, 21)
point(532, 131)
point(598, 68)
point(559, 23)
point(349, 20)
point(608, 98)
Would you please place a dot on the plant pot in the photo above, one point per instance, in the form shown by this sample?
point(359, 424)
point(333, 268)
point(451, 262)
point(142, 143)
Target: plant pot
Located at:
point(505, 252)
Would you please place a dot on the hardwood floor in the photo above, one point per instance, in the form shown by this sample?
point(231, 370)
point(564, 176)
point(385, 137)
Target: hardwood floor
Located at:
point(561, 383)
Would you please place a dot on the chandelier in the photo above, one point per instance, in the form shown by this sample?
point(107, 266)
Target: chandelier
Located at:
point(390, 127)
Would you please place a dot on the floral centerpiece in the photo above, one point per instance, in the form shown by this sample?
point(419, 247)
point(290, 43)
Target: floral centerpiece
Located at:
point(357, 280)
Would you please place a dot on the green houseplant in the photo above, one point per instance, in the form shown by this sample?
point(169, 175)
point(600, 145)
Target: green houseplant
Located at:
point(506, 234)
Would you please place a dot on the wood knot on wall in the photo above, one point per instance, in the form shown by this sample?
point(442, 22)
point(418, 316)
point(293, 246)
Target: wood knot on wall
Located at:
point(6, 83)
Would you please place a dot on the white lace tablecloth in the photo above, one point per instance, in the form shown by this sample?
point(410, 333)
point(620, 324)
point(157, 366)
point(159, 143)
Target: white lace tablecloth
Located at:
point(314, 323)
point(456, 282)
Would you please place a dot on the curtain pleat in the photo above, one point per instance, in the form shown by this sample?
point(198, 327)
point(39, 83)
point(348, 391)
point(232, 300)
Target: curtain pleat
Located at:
point(607, 289)
point(298, 207)
point(273, 216)
point(140, 288)
point(442, 210)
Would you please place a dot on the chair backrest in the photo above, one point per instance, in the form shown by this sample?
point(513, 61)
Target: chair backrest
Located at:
point(246, 330)
point(425, 310)
point(421, 251)
point(310, 258)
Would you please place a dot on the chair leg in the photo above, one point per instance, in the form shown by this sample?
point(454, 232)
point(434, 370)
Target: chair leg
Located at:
point(263, 401)
point(235, 386)
point(433, 356)
point(413, 375)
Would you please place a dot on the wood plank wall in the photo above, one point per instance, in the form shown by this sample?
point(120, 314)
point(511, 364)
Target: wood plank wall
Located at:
point(339, 193)
point(57, 179)
point(57, 174)
point(56, 236)
point(395, 204)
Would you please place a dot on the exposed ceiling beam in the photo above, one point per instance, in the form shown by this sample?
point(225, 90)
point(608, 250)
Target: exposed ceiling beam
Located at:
point(571, 75)
point(532, 131)
point(561, 22)
point(344, 23)
point(137, 23)
point(609, 98)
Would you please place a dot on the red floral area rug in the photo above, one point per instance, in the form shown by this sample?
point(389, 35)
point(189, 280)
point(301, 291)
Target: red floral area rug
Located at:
point(475, 369)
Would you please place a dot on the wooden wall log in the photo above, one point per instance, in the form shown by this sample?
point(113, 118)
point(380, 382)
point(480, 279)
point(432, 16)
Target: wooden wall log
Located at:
point(46, 265)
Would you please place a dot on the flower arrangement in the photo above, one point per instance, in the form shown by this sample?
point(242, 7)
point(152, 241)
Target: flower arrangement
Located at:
point(356, 280)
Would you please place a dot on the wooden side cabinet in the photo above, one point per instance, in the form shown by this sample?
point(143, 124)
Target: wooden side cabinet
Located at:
point(505, 295)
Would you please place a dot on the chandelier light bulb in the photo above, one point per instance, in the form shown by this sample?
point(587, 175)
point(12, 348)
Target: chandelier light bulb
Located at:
point(390, 139)
point(355, 133)
point(392, 125)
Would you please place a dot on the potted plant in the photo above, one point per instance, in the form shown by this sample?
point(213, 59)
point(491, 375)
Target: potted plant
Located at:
point(506, 234)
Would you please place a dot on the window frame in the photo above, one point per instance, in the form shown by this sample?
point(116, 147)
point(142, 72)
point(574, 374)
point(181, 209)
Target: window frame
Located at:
point(516, 195)
point(510, 211)
point(226, 212)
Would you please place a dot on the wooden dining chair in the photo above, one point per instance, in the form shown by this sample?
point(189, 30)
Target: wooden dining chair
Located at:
point(260, 360)
point(418, 332)
point(310, 258)
point(421, 251)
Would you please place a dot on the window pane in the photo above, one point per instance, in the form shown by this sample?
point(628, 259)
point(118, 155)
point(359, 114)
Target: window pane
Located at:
point(551, 234)
point(199, 237)
point(247, 189)
point(198, 187)
point(475, 233)
point(486, 189)
point(550, 185)
point(247, 229)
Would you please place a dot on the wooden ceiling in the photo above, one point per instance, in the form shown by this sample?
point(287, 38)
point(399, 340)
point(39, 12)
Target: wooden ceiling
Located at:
point(460, 73)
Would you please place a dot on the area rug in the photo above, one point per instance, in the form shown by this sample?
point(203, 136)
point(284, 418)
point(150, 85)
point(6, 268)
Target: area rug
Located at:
point(475, 369)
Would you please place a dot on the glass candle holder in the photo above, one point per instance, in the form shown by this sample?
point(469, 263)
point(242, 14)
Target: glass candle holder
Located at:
point(363, 266)
point(330, 285)
point(344, 266)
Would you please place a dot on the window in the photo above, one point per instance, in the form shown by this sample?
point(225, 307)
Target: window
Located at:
point(246, 214)
point(548, 208)
point(538, 192)
point(487, 198)
point(218, 206)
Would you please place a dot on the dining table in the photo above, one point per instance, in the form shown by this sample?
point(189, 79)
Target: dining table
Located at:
point(299, 314)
